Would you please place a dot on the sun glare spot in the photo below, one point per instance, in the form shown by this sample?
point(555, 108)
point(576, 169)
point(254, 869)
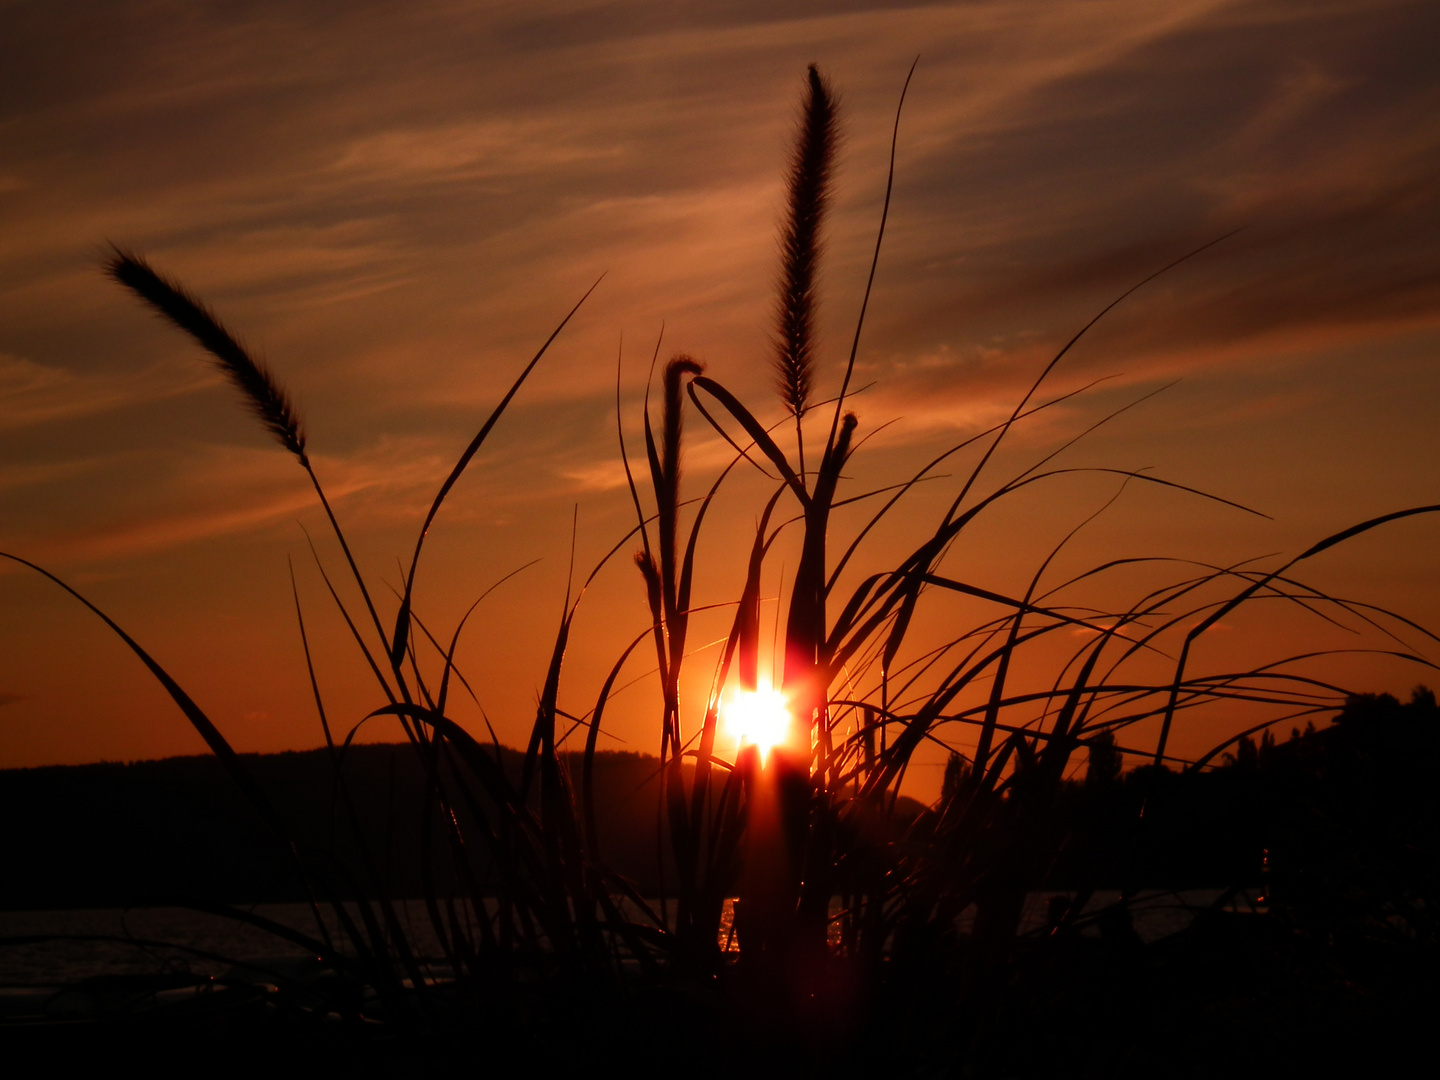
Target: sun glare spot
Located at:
point(759, 718)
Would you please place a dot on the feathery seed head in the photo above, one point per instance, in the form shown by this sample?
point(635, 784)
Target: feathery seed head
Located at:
point(263, 392)
point(809, 197)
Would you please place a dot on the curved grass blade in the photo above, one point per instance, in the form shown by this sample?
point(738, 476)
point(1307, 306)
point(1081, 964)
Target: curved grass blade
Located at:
point(402, 619)
point(1247, 593)
point(219, 746)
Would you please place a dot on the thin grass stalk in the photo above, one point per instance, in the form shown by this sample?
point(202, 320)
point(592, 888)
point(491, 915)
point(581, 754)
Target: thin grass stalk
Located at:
point(1247, 593)
point(1060, 355)
point(402, 619)
point(207, 730)
point(213, 738)
point(874, 265)
point(266, 398)
point(667, 495)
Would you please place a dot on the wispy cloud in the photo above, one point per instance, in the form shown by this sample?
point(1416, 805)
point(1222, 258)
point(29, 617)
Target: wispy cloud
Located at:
point(468, 151)
point(33, 394)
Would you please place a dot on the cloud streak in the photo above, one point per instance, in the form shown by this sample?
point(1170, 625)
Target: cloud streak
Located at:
point(33, 394)
point(399, 203)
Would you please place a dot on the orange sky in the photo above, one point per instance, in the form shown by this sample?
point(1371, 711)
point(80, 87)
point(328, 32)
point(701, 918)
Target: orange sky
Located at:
point(396, 204)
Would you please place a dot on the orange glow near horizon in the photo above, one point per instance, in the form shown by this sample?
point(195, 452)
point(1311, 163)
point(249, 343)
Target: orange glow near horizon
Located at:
point(759, 718)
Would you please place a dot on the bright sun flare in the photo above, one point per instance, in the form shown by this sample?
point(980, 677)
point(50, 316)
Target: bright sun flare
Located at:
point(759, 718)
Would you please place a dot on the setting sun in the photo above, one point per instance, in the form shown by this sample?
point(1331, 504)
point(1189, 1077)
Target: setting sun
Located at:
point(759, 718)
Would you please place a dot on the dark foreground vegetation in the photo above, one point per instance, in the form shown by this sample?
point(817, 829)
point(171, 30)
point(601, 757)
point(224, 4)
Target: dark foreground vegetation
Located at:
point(1324, 817)
point(1335, 970)
point(1321, 952)
point(874, 937)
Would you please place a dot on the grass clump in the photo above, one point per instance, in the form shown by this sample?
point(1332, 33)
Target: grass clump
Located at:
point(850, 897)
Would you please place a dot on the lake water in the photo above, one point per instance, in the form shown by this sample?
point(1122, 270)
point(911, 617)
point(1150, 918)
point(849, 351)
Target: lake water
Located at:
point(122, 942)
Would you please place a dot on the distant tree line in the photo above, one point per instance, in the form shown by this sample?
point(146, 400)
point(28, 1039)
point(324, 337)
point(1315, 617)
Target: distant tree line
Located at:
point(1321, 819)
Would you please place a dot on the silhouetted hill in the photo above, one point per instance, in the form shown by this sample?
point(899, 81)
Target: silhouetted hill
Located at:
point(1348, 818)
point(179, 829)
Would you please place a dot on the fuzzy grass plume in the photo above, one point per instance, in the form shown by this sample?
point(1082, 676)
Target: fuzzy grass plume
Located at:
point(809, 197)
point(266, 397)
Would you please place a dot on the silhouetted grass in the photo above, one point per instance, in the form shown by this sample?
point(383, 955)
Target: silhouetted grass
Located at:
point(544, 944)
